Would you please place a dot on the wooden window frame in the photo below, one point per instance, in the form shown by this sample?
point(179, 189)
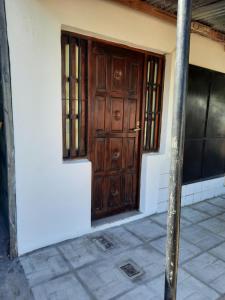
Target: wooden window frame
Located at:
point(153, 92)
point(74, 97)
point(87, 137)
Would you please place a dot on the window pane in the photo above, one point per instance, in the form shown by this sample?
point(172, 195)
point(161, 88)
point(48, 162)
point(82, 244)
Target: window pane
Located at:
point(74, 67)
point(155, 73)
point(77, 135)
point(153, 103)
point(67, 134)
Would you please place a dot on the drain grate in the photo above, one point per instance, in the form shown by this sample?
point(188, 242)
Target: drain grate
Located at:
point(131, 270)
point(104, 243)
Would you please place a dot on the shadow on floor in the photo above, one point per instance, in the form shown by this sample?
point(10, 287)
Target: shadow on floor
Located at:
point(13, 283)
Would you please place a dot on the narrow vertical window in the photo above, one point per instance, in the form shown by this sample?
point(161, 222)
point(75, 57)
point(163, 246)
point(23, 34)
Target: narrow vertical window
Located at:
point(74, 96)
point(153, 106)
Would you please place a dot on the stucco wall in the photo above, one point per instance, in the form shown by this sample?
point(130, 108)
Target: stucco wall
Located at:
point(54, 197)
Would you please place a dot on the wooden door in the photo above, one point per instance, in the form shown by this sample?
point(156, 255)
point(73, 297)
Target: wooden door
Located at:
point(116, 90)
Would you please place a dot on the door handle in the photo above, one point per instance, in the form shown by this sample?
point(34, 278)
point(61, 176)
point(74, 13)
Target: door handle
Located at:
point(137, 129)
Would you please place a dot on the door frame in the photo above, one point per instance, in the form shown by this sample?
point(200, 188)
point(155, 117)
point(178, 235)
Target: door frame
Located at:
point(91, 120)
point(146, 53)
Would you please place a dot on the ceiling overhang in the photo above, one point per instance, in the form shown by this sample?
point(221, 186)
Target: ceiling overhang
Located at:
point(196, 26)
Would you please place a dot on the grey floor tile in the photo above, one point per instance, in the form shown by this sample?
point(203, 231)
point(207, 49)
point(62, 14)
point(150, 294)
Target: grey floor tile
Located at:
point(108, 281)
point(122, 238)
point(219, 251)
point(159, 244)
point(201, 237)
point(13, 282)
point(146, 229)
point(193, 215)
point(208, 269)
point(43, 265)
point(79, 251)
point(193, 289)
point(66, 287)
point(149, 259)
point(140, 293)
point(208, 208)
point(219, 201)
point(188, 288)
point(161, 219)
point(187, 250)
point(143, 241)
point(214, 225)
point(221, 217)
point(84, 250)
point(219, 284)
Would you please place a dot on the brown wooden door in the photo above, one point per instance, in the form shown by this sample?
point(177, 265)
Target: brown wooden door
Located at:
point(116, 88)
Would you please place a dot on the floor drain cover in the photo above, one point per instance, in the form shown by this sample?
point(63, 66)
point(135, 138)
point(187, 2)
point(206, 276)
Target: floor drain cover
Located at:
point(131, 270)
point(104, 243)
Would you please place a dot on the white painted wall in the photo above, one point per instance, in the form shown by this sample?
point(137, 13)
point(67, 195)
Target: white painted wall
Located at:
point(54, 197)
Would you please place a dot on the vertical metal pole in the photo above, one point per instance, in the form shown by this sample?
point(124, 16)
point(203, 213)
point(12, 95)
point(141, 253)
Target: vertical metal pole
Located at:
point(177, 149)
point(6, 102)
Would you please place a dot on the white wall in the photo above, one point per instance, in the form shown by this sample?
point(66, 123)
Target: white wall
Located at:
point(54, 197)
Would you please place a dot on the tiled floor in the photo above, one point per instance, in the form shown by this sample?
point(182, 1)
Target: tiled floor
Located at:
point(79, 269)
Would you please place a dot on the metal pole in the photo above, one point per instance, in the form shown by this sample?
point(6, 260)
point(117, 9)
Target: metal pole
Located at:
point(177, 149)
point(9, 152)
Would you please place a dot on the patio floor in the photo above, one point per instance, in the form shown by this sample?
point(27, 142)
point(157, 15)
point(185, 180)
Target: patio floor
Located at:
point(13, 283)
point(82, 269)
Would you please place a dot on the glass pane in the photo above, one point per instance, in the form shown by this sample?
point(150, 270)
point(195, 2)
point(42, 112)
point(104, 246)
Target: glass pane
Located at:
point(153, 99)
point(77, 62)
point(77, 73)
point(77, 135)
point(153, 103)
point(67, 134)
point(156, 73)
point(145, 136)
point(67, 60)
point(74, 63)
point(67, 70)
point(147, 95)
point(148, 72)
point(77, 91)
point(67, 106)
point(152, 132)
point(67, 89)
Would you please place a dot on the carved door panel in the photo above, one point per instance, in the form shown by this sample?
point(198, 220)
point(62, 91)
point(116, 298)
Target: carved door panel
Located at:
point(117, 76)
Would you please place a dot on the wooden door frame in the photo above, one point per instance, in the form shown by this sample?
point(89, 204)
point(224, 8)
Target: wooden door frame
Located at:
point(146, 53)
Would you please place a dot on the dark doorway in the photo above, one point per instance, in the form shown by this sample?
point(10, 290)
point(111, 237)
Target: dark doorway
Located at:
point(116, 93)
point(204, 152)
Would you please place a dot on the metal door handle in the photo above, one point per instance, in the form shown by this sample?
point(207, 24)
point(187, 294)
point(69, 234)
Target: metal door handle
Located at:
point(137, 129)
point(114, 193)
point(116, 155)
